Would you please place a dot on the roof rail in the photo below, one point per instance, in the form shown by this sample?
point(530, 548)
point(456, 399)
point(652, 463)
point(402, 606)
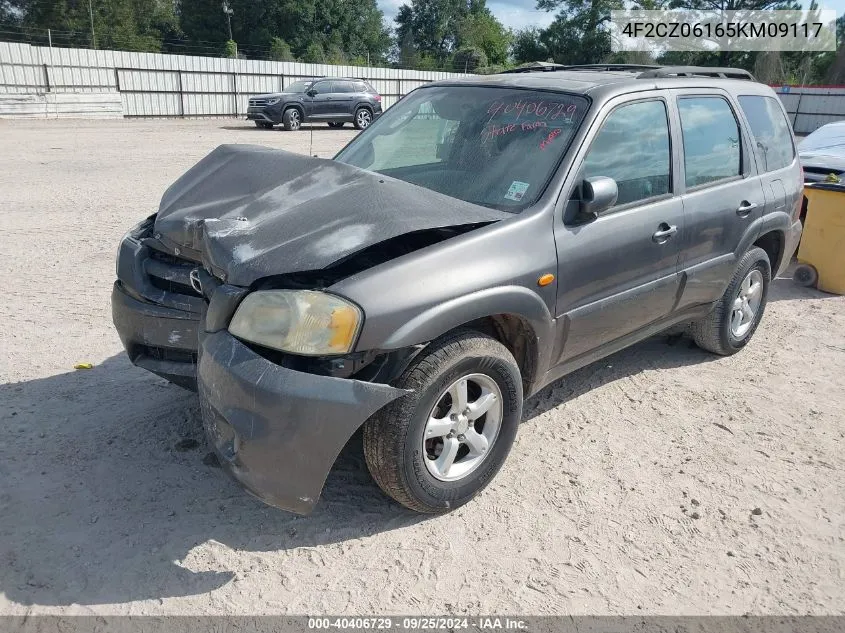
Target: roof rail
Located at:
point(647, 71)
point(612, 67)
point(696, 71)
point(534, 67)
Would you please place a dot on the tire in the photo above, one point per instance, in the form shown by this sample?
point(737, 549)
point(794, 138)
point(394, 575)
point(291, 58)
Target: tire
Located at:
point(337, 125)
point(403, 463)
point(292, 119)
point(806, 275)
point(363, 118)
point(720, 331)
point(264, 125)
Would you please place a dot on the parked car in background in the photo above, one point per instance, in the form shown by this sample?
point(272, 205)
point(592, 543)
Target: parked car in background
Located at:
point(335, 101)
point(486, 237)
point(822, 153)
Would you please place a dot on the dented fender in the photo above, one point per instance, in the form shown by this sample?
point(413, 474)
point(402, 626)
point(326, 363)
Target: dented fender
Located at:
point(276, 430)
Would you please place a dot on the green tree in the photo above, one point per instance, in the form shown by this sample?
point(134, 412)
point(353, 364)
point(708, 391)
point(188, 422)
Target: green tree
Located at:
point(435, 25)
point(528, 47)
point(314, 54)
point(483, 31)
point(469, 59)
point(352, 28)
point(231, 49)
point(579, 33)
point(280, 50)
point(143, 25)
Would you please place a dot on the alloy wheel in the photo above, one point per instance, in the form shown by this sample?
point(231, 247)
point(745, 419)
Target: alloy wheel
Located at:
point(462, 427)
point(747, 304)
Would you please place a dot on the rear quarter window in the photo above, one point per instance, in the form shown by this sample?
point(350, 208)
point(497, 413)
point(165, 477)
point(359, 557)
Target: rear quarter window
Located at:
point(773, 143)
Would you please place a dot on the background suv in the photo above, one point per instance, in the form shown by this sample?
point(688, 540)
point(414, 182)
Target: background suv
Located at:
point(334, 101)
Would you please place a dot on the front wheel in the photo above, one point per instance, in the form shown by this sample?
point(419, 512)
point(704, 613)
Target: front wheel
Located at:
point(733, 321)
point(292, 119)
point(363, 118)
point(436, 448)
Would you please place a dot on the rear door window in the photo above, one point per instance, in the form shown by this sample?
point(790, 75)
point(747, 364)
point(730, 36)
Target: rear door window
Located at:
point(772, 137)
point(712, 140)
point(632, 147)
point(344, 86)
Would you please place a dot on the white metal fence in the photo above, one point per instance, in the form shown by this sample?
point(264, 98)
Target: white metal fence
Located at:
point(152, 84)
point(810, 107)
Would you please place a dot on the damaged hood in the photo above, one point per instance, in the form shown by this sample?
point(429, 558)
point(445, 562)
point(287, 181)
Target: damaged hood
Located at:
point(249, 212)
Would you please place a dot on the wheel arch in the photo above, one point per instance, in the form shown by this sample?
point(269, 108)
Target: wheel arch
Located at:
point(295, 105)
point(513, 315)
point(517, 334)
point(774, 243)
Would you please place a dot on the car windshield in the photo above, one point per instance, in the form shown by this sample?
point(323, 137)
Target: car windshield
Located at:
point(299, 86)
point(496, 147)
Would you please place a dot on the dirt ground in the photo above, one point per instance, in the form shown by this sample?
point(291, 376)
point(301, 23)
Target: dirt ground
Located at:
point(633, 487)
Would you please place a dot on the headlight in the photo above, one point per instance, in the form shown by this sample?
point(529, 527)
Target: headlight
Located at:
point(273, 101)
point(298, 321)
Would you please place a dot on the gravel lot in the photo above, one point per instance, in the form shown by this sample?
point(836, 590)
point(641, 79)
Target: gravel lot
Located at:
point(633, 487)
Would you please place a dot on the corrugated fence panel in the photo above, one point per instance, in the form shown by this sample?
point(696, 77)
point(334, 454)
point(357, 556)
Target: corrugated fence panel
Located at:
point(810, 107)
point(207, 82)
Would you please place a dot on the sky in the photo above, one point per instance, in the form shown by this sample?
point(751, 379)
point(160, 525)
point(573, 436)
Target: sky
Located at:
point(518, 14)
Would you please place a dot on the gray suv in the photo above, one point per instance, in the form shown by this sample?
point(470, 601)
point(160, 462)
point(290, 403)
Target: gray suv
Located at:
point(335, 101)
point(484, 238)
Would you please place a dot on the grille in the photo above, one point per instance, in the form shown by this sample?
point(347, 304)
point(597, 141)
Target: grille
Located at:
point(258, 102)
point(170, 273)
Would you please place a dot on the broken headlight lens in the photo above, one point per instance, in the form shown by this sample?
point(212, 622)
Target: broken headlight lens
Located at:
point(302, 322)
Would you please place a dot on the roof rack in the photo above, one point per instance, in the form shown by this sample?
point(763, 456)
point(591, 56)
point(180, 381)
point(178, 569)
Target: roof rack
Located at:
point(623, 68)
point(696, 71)
point(646, 71)
point(534, 67)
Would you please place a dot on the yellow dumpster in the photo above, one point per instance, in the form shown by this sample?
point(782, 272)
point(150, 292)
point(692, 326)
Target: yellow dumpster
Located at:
point(821, 255)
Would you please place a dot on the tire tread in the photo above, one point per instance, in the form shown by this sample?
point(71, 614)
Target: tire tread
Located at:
point(384, 432)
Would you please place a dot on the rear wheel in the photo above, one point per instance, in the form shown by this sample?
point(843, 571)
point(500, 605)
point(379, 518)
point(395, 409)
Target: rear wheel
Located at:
point(732, 323)
point(363, 118)
point(436, 448)
point(292, 119)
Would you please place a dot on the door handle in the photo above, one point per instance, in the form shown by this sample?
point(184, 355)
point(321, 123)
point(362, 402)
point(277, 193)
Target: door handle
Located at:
point(745, 208)
point(664, 234)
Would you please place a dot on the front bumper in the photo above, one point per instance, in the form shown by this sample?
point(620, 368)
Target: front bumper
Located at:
point(156, 338)
point(278, 431)
point(156, 320)
point(269, 114)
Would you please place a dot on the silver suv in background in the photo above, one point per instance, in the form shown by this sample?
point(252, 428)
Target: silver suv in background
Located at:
point(335, 101)
point(485, 237)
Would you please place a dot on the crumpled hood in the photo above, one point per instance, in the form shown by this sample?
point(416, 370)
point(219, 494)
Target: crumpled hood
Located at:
point(250, 212)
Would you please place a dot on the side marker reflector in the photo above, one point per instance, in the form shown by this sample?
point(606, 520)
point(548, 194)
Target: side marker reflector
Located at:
point(546, 279)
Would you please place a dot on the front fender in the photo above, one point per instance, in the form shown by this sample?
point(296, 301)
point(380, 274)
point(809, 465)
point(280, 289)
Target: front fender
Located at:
point(449, 315)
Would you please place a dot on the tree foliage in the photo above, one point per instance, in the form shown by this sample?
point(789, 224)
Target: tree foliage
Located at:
point(342, 29)
point(437, 29)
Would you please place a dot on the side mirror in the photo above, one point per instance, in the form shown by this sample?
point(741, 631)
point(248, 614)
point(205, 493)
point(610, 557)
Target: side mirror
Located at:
point(598, 194)
point(311, 92)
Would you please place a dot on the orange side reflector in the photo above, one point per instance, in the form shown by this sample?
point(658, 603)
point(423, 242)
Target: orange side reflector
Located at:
point(546, 279)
